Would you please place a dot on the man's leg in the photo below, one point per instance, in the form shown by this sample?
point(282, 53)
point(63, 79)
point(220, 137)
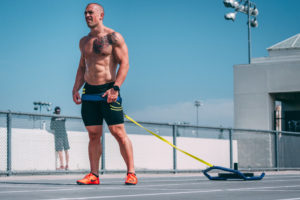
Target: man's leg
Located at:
point(67, 159)
point(118, 131)
point(61, 159)
point(91, 116)
point(95, 147)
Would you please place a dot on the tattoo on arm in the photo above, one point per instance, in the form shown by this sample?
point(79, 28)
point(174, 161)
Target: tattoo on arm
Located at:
point(112, 38)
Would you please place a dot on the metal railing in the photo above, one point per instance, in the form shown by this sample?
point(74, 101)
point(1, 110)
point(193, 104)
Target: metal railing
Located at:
point(27, 145)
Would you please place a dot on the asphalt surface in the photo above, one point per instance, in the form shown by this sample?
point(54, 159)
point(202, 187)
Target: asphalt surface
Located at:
point(275, 186)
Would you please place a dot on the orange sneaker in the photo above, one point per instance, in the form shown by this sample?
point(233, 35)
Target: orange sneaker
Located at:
point(131, 179)
point(89, 179)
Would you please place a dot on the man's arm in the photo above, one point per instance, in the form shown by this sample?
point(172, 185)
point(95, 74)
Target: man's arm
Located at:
point(51, 124)
point(121, 55)
point(79, 81)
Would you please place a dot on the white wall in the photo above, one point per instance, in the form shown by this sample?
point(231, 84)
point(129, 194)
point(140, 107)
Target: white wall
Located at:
point(33, 149)
point(3, 148)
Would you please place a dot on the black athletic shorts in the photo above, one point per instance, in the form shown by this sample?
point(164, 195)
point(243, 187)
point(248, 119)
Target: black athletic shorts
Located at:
point(93, 112)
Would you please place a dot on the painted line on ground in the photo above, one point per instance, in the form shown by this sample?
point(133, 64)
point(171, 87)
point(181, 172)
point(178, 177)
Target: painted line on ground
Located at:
point(143, 181)
point(102, 187)
point(160, 180)
point(145, 187)
point(34, 184)
point(118, 181)
point(280, 180)
point(172, 184)
point(258, 190)
point(281, 177)
point(255, 188)
point(136, 195)
point(88, 187)
point(160, 194)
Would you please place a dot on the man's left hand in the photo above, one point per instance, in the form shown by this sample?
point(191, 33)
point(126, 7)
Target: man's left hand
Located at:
point(112, 95)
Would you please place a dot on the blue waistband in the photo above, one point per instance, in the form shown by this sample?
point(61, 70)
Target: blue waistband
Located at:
point(96, 97)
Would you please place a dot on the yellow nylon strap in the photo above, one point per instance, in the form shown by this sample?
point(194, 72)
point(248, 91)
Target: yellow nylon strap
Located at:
point(166, 141)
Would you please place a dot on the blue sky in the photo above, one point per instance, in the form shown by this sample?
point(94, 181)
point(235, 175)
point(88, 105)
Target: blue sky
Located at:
point(180, 51)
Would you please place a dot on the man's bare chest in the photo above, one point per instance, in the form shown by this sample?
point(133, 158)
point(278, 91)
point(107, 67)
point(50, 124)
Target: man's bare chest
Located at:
point(99, 46)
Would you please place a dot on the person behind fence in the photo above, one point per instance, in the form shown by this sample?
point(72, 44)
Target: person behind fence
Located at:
point(58, 125)
point(102, 51)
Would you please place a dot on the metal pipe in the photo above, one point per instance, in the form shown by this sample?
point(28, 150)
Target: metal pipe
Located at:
point(8, 151)
point(103, 154)
point(38, 115)
point(277, 151)
point(158, 123)
point(249, 34)
point(174, 150)
point(230, 148)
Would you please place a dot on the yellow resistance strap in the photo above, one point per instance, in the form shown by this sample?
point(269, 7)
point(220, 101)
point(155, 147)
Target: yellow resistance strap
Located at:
point(169, 143)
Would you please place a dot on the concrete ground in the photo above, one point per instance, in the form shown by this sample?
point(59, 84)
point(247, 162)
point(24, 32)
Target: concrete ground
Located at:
point(275, 186)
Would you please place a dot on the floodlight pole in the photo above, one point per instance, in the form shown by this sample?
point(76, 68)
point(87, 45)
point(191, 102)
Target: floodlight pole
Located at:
point(246, 9)
point(249, 34)
point(197, 104)
point(39, 105)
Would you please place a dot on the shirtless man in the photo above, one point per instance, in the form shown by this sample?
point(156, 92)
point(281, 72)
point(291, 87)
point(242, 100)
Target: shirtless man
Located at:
point(102, 50)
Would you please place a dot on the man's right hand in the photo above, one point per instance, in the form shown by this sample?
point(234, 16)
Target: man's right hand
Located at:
point(76, 97)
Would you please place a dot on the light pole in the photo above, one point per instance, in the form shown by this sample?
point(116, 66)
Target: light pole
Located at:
point(38, 105)
point(197, 104)
point(247, 7)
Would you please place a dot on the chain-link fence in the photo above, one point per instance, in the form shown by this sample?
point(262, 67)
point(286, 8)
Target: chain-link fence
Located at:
point(256, 149)
point(34, 143)
point(3, 142)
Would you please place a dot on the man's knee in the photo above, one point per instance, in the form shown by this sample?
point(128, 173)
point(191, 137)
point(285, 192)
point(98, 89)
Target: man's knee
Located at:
point(95, 132)
point(118, 132)
point(94, 136)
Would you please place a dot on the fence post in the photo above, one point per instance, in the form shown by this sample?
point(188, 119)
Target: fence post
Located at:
point(103, 153)
point(230, 148)
point(8, 150)
point(276, 151)
point(174, 150)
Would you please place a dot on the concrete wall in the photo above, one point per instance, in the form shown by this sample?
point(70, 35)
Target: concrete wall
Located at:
point(33, 149)
point(3, 149)
point(254, 85)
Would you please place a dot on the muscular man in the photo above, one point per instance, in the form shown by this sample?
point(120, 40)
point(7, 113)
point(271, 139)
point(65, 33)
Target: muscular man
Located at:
point(102, 50)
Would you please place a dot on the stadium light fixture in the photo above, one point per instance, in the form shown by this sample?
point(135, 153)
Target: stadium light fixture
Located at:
point(230, 16)
point(254, 23)
point(254, 11)
point(231, 3)
point(38, 105)
point(197, 104)
point(247, 7)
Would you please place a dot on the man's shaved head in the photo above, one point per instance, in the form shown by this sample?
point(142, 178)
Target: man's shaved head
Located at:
point(98, 6)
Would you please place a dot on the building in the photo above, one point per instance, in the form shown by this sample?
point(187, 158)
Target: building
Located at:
point(268, 84)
